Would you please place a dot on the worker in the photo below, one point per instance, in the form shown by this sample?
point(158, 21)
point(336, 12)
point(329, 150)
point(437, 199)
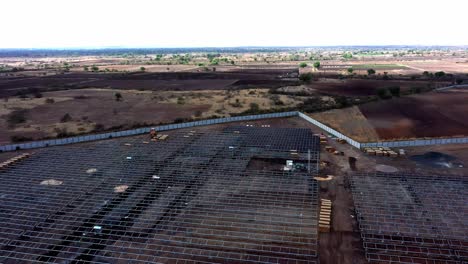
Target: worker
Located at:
point(153, 134)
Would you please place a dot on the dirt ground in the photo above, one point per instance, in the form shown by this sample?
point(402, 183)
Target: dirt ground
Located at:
point(90, 107)
point(148, 68)
point(157, 80)
point(447, 65)
point(350, 120)
point(435, 114)
point(364, 87)
point(343, 244)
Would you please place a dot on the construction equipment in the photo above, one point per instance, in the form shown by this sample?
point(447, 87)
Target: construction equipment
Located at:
point(340, 140)
point(153, 134)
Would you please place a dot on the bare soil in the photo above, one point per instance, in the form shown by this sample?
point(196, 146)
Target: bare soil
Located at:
point(156, 81)
point(435, 114)
point(348, 87)
point(91, 107)
point(351, 121)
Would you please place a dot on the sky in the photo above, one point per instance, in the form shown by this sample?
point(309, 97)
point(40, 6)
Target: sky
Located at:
point(230, 23)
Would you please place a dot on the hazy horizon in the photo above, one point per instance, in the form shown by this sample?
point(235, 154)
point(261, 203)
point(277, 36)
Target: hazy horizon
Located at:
point(240, 47)
point(86, 24)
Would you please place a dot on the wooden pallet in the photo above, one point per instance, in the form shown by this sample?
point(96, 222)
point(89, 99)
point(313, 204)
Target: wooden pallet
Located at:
point(13, 160)
point(325, 215)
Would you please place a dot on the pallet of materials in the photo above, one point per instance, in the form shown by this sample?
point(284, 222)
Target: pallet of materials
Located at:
point(381, 151)
point(325, 215)
point(13, 160)
point(163, 137)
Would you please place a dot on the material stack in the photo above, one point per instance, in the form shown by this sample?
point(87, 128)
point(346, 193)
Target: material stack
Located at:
point(323, 139)
point(330, 149)
point(340, 140)
point(381, 151)
point(325, 215)
point(14, 160)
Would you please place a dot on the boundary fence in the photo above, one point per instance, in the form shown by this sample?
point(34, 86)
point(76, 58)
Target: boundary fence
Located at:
point(139, 131)
point(416, 142)
point(330, 130)
point(452, 87)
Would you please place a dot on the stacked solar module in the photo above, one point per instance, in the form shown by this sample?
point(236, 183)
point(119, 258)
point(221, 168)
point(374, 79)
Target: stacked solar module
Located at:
point(407, 218)
point(189, 199)
point(283, 139)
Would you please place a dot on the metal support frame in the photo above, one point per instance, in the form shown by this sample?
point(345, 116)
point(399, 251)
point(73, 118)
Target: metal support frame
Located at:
point(185, 200)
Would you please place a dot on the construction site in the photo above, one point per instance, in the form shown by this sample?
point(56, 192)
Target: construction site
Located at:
point(268, 191)
point(410, 218)
point(220, 197)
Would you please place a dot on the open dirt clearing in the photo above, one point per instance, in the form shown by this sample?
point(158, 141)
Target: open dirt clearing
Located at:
point(350, 120)
point(435, 114)
point(155, 81)
point(363, 87)
point(448, 66)
point(89, 108)
point(148, 68)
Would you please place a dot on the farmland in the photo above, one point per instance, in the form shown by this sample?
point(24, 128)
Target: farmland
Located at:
point(59, 93)
point(426, 115)
point(435, 114)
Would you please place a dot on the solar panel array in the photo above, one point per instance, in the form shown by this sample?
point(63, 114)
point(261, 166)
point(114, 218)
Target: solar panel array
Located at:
point(411, 218)
point(193, 198)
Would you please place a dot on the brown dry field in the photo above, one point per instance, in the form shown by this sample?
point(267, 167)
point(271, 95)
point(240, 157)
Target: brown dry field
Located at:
point(448, 65)
point(402, 66)
point(352, 121)
point(434, 114)
point(148, 68)
point(89, 107)
point(364, 87)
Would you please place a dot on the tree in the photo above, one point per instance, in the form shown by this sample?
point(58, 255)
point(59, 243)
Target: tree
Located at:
point(383, 93)
point(347, 55)
point(38, 94)
point(86, 68)
point(350, 70)
point(370, 71)
point(67, 117)
point(385, 76)
point(341, 101)
point(142, 69)
point(254, 107)
point(317, 65)
point(395, 90)
point(439, 74)
point(16, 117)
point(94, 68)
point(415, 89)
point(303, 65)
point(305, 77)
point(118, 96)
